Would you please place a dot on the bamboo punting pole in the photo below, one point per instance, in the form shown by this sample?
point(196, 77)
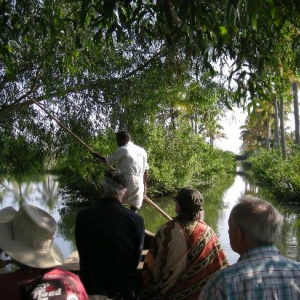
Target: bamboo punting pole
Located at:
point(63, 126)
point(149, 201)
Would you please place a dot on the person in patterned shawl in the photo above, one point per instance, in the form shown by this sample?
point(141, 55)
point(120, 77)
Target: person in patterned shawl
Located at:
point(184, 253)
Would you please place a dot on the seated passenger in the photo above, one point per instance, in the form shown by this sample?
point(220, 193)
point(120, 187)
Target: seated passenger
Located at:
point(109, 239)
point(261, 272)
point(26, 236)
point(184, 254)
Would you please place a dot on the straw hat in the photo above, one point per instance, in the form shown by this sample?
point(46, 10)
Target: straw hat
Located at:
point(27, 236)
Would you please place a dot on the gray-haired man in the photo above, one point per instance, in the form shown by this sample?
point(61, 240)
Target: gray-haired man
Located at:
point(109, 238)
point(261, 272)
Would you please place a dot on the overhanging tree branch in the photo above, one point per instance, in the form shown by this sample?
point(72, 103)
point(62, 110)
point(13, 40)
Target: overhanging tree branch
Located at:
point(74, 89)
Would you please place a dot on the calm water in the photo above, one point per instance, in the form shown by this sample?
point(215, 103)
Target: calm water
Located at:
point(44, 193)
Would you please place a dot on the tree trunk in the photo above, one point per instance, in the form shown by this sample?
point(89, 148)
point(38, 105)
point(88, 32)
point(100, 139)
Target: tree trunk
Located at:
point(276, 126)
point(296, 113)
point(281, 115)
point(268, 134)
point(192, 123)
point(195, 124)
point(221, 76)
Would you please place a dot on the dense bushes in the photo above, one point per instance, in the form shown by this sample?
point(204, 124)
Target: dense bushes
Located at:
point(182, 158)
point(281, 176)
point(177, 158)
point(21, 157)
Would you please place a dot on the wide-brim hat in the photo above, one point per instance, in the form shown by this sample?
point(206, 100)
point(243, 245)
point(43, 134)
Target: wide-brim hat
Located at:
point(27, 236)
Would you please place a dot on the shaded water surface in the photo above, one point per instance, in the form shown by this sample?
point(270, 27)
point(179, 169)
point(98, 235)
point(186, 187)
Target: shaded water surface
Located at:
point(44, 193)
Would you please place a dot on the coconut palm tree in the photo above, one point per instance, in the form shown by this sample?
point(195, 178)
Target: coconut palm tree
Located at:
point(296, 113)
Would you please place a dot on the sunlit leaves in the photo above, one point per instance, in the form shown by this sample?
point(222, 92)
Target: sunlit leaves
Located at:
point(118, 59)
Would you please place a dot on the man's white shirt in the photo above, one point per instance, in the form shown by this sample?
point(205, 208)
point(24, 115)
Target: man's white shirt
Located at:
point(129, 159)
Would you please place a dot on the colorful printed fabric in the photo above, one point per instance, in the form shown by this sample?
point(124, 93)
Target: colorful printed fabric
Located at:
point(260, 273)
point(51, 284)
point(181, 259)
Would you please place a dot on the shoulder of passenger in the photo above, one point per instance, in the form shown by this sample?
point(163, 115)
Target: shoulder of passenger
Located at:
point(83, 213)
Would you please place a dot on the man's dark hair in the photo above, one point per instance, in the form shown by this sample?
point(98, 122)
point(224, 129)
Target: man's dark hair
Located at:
point(190, 202)
point(123, 135)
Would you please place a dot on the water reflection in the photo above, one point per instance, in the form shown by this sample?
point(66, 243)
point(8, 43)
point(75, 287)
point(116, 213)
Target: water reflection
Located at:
point(43, 189)
point(18, 191)
point(48, 191)
point(289, 243)
point(229, 198)
point(42, 192)
point(66, 225)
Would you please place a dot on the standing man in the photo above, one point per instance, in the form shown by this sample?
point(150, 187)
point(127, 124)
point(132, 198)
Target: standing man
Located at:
point(261, 272)
point(109, 239)
point(131, 160)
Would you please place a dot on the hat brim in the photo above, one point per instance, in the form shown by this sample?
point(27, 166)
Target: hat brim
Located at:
point(23, 254)
point(7, 214)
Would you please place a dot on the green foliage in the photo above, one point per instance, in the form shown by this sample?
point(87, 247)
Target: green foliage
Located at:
point(79, 175)
point(128, 64)
point(21, 157)
point(78, 172)
point(88, 53)
point(43, 41)
point(181, 158)
point(281, 176)
point(177, 158)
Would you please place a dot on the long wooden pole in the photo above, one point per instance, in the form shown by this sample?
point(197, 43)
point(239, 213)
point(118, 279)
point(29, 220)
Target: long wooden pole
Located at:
point(149, 201)
point(64, 127)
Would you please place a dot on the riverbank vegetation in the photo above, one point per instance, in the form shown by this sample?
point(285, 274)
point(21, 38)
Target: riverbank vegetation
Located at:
point(165, 70)
point(177, 158)
point(273, 149)
point(281, 176)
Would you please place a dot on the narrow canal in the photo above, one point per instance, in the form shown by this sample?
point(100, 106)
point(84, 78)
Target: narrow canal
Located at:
point(44, 193)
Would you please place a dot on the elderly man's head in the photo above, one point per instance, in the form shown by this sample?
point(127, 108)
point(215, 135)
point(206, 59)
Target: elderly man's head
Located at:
point(253, 222)
point(114, 184)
